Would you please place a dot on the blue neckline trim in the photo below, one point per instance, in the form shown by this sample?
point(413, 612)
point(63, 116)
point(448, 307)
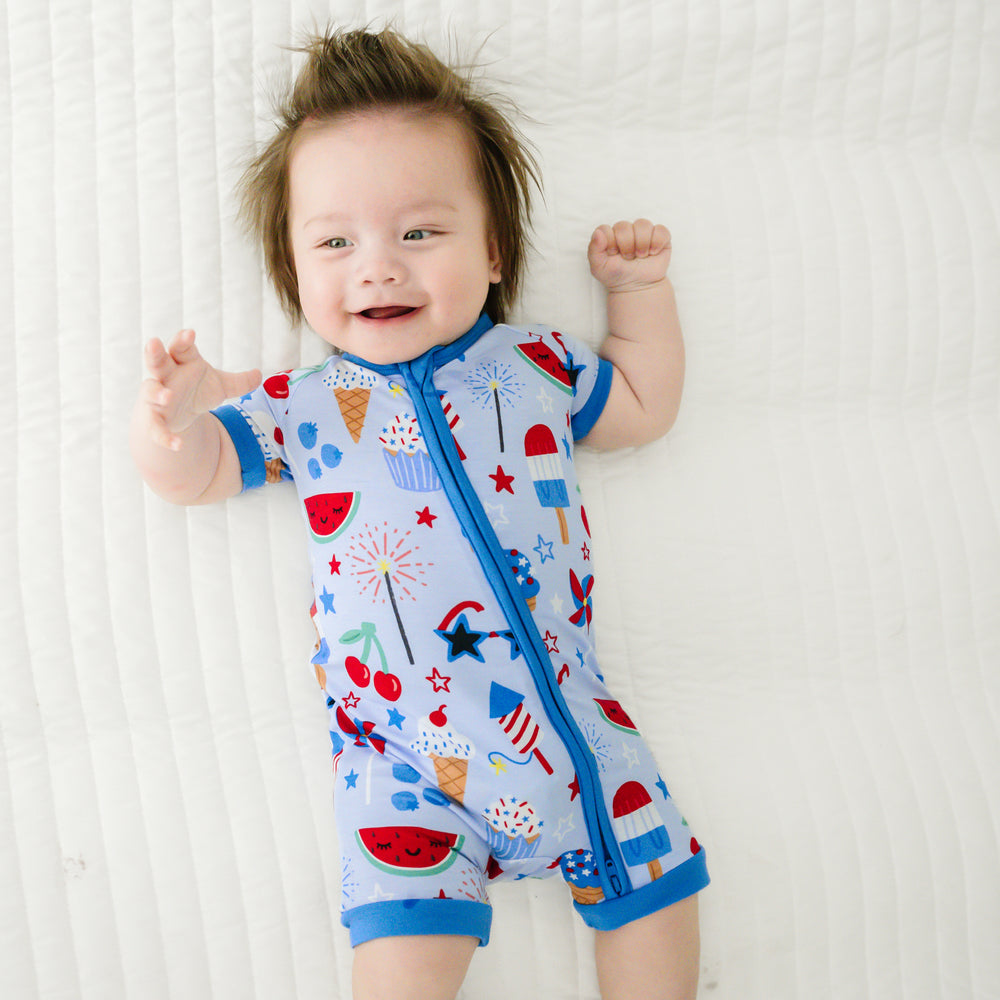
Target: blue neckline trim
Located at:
point(436, 356)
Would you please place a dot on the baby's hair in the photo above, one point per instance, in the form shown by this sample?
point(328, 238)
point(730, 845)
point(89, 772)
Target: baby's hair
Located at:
point(356, 71)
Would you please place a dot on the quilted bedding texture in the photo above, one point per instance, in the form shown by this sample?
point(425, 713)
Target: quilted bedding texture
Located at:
point(798, 589)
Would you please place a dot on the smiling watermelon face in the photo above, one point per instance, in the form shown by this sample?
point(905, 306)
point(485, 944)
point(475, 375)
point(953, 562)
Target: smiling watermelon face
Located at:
point(330, 513)
point(409, 850)
point(543, 360)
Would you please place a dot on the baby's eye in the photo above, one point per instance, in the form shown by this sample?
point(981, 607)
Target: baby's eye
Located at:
point(418, 234)
point(337, 243)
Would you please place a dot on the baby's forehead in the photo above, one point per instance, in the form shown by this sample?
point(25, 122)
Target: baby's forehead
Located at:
point(427, 144)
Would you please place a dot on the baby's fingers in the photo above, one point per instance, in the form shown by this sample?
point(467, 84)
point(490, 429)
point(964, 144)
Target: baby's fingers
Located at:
point(629, 239)
point(155, 394)
point(601, 239)
point(659, 239)
point(158, 362)
point(182, 349)
point(239, 383)
point(161, 435)
point(157, 400)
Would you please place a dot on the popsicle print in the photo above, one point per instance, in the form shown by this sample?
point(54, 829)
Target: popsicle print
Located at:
point(547, 473)
point(640, 831)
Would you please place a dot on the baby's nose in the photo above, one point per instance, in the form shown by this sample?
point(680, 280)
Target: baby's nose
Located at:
point(380, 264)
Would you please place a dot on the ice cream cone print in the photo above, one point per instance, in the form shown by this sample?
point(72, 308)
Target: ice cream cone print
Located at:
point(520, 568)
point(579, 869)
point(449, 750)
point(353, 407)
point(451, 774)
point(352, 386)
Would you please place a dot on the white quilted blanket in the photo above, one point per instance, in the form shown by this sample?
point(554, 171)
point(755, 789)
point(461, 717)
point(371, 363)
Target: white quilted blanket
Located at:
point(798, 589)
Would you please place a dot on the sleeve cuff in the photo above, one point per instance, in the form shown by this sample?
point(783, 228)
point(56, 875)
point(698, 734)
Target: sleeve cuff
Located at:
point(252, 466)
point(583, 421)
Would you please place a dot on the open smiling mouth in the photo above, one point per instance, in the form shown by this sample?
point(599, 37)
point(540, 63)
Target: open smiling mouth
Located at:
point(387, 312)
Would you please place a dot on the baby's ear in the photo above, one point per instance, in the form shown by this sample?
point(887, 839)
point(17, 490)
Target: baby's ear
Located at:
point(496, 269)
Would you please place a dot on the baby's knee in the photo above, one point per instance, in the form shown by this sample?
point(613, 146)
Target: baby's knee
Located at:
point(412, 967)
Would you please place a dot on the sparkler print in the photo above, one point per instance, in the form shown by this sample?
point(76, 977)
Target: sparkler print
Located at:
point(495, 383)
point(385, 565)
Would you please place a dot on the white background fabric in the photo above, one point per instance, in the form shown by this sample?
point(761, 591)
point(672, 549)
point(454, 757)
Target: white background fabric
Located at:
point(798, 590)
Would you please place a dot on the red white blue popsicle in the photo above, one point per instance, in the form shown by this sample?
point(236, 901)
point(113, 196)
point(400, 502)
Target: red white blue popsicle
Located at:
point(547, 473)
point(640, 831)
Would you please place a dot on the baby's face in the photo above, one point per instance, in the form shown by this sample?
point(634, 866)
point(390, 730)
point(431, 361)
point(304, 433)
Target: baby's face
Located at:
point(389, 234)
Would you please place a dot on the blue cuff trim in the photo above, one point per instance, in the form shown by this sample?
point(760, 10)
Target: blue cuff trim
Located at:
point(393, 918)
point(583, 421)
point(683, 881)
point(251, 457)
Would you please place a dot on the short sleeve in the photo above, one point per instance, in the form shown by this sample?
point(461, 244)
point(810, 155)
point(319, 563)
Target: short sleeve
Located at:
point(254, 423)
point(588, 374)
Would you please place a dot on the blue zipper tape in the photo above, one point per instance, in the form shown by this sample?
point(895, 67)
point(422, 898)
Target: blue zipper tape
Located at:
point(419, 374)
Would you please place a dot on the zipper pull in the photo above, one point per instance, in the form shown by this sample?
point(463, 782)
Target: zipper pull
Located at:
point(613, 876)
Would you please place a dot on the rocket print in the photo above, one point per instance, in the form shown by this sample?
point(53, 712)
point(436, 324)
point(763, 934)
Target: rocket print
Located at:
point(507, 707)
point(437, 732)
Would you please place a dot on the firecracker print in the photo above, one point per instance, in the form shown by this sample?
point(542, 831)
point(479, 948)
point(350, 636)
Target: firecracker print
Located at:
point(472, 735)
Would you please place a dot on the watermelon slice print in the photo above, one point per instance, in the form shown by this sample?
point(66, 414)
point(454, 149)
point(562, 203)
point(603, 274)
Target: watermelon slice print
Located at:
point(612, 711)
point(545, 361)
point(409, 850)
point(330, 513)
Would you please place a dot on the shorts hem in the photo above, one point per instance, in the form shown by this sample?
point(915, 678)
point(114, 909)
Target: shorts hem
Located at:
point(398, 917)
point(679, 883)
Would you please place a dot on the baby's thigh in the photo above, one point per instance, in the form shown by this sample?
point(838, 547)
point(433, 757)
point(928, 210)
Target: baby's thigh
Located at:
point(414, 967)
point(412, 865)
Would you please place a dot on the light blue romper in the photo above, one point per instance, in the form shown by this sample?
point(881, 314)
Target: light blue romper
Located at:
point(473, 736)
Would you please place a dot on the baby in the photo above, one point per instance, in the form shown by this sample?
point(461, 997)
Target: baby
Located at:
point(473, 736)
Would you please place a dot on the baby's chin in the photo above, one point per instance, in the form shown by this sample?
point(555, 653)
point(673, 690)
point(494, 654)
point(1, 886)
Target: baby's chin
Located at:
point(388, 343)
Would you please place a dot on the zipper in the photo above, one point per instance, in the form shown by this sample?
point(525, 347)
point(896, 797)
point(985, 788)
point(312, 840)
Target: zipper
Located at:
point(419, 374)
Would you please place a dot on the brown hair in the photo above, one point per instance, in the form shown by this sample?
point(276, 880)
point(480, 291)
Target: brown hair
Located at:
point(347, 72)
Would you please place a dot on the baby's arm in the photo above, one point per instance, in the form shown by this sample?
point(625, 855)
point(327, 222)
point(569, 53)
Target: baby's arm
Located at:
point(183, 452)
point(644, 340)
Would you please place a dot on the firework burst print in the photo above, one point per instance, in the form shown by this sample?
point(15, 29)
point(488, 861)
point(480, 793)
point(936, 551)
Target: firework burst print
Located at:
point(599, 747)
point(495, 384)
point(384, 562)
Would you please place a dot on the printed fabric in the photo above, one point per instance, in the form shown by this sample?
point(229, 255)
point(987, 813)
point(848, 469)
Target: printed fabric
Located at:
point(472, 734)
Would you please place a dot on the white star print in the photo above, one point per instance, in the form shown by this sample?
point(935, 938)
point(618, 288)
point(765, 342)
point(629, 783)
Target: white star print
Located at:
point(380, 894)
point(495, 513)
point(564, 827)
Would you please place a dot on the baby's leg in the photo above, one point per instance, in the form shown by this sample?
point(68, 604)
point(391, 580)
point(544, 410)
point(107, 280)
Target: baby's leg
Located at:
point(416, 967)
point(655, 957)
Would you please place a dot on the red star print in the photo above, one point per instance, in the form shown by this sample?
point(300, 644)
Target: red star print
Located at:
point(502, 480)
point(335, 565)
point(440, 682)
point(351, 701)
point(425, 517)
point(574, 787)
point(550, 642)
point(585, 551)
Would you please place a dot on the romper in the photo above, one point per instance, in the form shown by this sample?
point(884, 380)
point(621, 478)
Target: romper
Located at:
point(472, 734)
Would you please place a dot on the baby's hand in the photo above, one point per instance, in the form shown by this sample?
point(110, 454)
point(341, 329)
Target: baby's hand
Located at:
point(183, 385)
point(629, 255)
